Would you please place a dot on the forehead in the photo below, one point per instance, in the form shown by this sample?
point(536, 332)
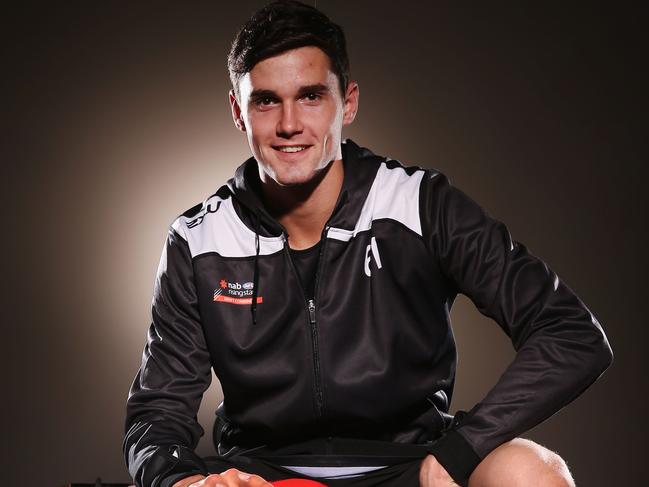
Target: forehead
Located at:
point(290, 70)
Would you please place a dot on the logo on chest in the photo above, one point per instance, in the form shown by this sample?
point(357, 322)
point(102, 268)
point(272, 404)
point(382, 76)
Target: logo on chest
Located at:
point(372, 250)
point(235, 293)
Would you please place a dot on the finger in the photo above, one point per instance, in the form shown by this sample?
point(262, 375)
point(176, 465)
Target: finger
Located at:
point(252, 480)
point(212, 480)
point(257, 481)
point(239, 478)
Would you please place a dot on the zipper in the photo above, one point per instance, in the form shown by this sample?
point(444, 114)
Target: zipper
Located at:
point(316, 358)
point(312, 318)
point(311, 309)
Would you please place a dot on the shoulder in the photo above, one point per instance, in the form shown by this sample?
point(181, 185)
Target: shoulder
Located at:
point(397, 178)
point(398, 193)
point(190, 221)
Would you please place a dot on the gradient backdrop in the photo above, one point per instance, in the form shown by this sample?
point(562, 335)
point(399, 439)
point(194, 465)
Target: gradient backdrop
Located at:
point(117, 120)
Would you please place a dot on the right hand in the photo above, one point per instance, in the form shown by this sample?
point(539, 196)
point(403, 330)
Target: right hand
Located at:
point(433, 474)
point(230, 478)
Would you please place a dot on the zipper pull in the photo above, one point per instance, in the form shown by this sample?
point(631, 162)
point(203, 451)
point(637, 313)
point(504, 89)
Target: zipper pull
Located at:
point(311, 310)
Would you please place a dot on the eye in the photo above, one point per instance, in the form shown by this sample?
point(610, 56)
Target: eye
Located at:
point(264, 101)
point(313, 96)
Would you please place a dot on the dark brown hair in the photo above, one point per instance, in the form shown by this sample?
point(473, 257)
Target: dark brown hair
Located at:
point(284, 25)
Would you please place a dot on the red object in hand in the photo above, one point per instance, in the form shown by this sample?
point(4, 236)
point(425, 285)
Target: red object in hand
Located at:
point(297, 483)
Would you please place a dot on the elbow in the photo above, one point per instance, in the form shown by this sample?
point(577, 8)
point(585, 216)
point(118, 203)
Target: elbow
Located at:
point(602, 355)
point(606, 355)
point(601, 348)
point(596, 354)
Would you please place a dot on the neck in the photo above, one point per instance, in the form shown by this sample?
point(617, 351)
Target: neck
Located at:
point(304, 209)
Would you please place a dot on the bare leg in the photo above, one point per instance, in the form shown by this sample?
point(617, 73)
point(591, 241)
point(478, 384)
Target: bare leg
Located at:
point(521, 463)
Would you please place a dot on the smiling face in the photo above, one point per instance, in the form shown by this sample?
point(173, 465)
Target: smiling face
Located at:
point(292, 111)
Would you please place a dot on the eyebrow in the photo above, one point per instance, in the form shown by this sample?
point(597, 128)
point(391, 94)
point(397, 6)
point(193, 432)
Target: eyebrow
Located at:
point(316, 88)
point(304, 90)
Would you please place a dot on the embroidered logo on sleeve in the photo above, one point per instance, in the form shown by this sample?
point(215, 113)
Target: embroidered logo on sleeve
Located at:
point(235, 293)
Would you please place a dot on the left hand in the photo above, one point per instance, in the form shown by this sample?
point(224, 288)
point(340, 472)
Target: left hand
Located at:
point(231, 478)
point(432, 474)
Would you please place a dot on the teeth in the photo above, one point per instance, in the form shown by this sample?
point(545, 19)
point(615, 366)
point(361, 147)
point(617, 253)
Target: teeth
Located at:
point(296, 148)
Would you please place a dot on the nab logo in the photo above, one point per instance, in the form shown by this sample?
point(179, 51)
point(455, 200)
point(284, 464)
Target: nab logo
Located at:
point(235, 292)
point(374, 249)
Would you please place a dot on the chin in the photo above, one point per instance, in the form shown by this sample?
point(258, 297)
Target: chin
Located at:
point(294, 180)
point(295, 176)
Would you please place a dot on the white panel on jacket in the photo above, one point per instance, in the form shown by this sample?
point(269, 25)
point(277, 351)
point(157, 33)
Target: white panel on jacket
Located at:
point(218, 228)
point(394, 195)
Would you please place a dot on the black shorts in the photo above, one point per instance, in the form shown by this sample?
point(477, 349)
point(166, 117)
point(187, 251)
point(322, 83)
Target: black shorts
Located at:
point(400, 463)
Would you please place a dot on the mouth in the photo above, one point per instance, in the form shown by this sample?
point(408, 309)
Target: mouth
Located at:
point(291, 149)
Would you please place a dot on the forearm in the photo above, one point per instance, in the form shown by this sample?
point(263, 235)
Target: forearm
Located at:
point(154, 455)
point(548, 372)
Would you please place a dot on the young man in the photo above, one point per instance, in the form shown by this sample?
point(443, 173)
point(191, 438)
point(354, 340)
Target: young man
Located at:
point(318, 283)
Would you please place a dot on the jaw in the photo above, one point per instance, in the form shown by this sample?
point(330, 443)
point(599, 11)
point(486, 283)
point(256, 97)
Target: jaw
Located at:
point(291, 167)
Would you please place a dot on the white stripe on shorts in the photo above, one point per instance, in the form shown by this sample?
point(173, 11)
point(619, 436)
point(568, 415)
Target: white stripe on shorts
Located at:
point(332, 472)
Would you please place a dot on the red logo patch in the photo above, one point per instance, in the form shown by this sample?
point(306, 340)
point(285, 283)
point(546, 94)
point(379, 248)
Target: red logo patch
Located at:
point(235, 293)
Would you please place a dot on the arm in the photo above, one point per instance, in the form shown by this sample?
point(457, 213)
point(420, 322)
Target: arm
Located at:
point(161, 425)
point(561, 348)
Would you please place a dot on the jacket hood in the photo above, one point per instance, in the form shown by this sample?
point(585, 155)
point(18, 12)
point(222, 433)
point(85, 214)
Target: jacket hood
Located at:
point(360, 165)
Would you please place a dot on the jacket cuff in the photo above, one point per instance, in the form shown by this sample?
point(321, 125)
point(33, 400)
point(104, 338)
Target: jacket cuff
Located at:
point(456, 455)
point(170, 464)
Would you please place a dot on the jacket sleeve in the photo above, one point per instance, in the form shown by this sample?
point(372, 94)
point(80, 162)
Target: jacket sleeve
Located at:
point(161, 423)
point(560, 346)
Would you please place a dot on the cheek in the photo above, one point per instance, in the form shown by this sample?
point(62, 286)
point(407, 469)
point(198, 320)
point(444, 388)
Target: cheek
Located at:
point(258, 125)
point(325, 122)
point(334, 119)
point(334, 128)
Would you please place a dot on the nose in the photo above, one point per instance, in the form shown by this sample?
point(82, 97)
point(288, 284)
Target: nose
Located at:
point(289, 123)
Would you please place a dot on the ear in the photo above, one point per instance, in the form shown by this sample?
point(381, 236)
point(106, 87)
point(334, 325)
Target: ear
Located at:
point(236, 112)
point(350, 103)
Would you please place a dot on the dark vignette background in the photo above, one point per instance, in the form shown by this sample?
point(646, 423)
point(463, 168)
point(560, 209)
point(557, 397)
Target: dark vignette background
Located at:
point(116, 120)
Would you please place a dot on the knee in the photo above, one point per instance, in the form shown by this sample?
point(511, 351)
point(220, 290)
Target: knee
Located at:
point(522, 463)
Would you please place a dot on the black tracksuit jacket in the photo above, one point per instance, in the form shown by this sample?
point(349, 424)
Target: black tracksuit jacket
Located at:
point(373, 355)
